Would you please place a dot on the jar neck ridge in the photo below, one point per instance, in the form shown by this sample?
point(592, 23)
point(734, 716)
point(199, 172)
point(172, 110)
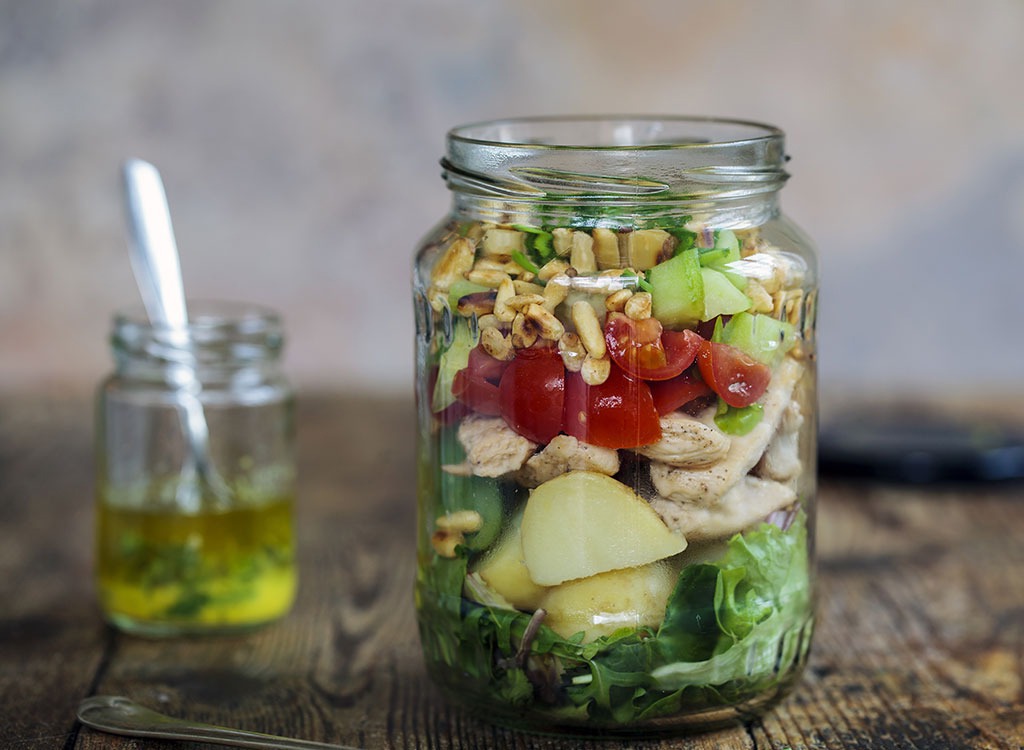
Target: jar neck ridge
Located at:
point(725, 172)
point(223, 343)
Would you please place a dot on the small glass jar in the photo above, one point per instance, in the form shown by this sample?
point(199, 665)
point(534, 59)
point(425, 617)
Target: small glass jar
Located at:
point(617, 424)
point(196, 474)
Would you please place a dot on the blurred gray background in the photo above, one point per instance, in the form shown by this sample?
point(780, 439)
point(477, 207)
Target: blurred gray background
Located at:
point(299, 142)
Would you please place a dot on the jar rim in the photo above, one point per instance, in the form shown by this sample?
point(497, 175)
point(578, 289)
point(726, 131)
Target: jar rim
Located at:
point(618, 158)
point(217, 331)
point(476, 133)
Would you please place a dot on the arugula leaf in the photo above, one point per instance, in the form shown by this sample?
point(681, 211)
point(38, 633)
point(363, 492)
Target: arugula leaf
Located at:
point(732, 630)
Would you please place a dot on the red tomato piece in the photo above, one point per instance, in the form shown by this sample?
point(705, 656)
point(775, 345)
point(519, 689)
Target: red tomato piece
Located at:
point(646, 351)
point(619, 413)
point(737, 378)
point(485, 366)
point(478, 394)
point(670, 395)
point(531, 394)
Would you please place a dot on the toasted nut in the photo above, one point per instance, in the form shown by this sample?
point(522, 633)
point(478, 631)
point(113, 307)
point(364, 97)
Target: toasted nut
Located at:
point(454, 264)
point(638, 307)
point(793, 307)
point(477, 303)
point(762, 301)
point(527, 287)
point(581, 257)
point(520, 302)
point(487, 277)
point(502, 242)
point(552, 268)
point(561, 240)
point(528, 276)
point(548, 326)
point(524, 332)
point(572, 351)
point(445, 542)
point(595, 370)
point(646, 248)
point(495, 343)
point(489, 321)
point(438, 299)
point(506, 291)
point(606, 248)
point(465, 521)
point(556, 291)
point(588, 327)
point(616, 301)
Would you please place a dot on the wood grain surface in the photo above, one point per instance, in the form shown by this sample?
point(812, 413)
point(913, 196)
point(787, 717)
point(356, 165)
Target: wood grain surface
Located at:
point(920, 642)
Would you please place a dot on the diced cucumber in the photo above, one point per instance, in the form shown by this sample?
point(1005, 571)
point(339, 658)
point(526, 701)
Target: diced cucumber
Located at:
point(721, 297)
point(453, 359)
point(726, 250)
point(763, 337)
point(474, 493)
point(677, 289)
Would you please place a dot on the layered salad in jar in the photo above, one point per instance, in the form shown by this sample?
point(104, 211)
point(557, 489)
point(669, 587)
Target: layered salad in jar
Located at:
point(616, 466)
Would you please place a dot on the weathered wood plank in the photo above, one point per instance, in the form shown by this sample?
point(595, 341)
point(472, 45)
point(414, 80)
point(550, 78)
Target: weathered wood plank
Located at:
point(920, 641)
point(51, 640)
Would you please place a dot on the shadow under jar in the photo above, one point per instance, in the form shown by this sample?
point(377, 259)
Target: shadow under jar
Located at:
point(617, 423)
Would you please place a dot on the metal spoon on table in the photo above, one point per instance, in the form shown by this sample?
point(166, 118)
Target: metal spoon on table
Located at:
point(154, 258)
point(117, 715)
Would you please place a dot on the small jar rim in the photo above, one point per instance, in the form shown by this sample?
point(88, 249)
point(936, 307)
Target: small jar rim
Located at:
point(217, 331)
point(206, 315)
point(474, 133)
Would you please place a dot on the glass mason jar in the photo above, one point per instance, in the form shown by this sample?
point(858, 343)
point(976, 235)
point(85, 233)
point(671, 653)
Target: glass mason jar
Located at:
point(187, 544)
point(617, 424)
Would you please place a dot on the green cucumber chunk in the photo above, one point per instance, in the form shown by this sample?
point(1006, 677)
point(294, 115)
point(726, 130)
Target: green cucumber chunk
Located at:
point(763, 337)
point(725, 250)
point(677, 289)
point(475, 493)
point(721, 297)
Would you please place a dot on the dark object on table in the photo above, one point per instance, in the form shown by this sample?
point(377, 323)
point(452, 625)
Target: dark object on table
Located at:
point(920, 449)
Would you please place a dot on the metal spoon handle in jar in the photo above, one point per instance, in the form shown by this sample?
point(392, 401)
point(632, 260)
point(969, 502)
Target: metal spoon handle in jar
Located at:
point(154, 258)
point(117, 715)
point(154, 251)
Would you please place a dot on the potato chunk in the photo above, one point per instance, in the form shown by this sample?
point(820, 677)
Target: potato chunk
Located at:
point(601, 604)
point(583, 523)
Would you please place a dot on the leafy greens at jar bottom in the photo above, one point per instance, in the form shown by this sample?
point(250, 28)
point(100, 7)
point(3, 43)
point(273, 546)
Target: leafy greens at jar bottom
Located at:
point(733, 629)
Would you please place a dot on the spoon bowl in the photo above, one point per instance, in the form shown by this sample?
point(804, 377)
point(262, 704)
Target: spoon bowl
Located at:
point(118, 715)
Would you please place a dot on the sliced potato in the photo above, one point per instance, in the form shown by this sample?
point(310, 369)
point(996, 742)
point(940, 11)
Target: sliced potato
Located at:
point(583, 523)
point(505, 572)
point(601, 604)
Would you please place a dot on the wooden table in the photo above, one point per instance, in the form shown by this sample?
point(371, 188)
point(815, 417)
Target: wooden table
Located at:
point(920, 643)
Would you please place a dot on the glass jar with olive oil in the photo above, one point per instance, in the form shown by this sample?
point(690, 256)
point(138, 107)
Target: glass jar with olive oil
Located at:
point(180, 551)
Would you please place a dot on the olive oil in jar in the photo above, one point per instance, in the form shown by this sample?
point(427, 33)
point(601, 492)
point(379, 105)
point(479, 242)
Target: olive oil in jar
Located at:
point(176, 553)
point(162, 570)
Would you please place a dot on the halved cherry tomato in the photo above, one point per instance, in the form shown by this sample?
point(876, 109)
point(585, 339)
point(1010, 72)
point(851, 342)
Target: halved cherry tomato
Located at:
point(619, 413)
point(477, 393)
point(646, 351)
point(670, 395)
point(476, 385)
point(484, 365)
point(737, 378)
point(531, 394)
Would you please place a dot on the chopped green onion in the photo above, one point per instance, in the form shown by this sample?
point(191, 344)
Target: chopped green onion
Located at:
point(520, 257)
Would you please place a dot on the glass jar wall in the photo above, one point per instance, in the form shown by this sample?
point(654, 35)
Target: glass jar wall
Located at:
point(183, 548)
point(617, 414)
